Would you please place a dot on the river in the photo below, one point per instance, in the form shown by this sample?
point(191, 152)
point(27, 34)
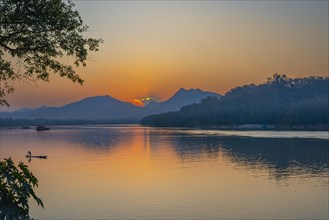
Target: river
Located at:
point(134, 172)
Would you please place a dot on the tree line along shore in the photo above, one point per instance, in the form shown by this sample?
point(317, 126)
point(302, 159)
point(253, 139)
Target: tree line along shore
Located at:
point(279, 103)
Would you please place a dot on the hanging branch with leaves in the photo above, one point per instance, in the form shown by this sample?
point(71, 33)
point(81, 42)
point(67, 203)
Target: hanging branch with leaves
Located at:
point(38, 33)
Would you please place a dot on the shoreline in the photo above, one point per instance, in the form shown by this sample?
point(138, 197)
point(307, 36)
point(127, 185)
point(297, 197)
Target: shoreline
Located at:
point(215, 128)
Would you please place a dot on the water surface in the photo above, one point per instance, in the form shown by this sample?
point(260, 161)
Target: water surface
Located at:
point(133, 172)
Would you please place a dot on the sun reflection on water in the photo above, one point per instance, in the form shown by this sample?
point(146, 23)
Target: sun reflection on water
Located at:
point(134, 172)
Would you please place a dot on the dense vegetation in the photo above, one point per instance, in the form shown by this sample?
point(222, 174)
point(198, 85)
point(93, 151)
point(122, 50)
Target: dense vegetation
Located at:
point(281, 101)
point(36, 34)
point(16, 188)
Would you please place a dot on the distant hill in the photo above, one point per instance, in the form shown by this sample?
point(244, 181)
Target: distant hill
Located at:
point(281, 101)
point(98, 107)
point(180, 99)
point(108, 108)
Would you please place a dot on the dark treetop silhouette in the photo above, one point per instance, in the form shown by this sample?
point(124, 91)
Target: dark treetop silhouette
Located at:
point(281, 101)
point(16, 187)
point(37, 33)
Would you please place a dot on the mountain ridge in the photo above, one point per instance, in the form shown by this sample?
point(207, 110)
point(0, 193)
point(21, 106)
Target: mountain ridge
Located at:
point(279, 102)
point(107, 108)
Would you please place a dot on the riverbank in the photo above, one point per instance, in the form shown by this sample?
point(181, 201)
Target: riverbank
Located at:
point(248, 127)
point(271, 127)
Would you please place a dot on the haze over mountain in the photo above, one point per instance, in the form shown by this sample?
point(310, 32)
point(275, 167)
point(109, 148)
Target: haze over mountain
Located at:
point(107, 108)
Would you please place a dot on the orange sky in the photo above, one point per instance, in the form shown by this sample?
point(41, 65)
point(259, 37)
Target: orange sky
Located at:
point(153, 48)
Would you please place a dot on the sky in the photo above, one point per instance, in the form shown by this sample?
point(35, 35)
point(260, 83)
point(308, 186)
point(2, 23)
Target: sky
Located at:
point(153, 48)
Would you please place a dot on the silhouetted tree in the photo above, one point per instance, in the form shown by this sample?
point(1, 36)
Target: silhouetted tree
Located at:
point(279, 101)
point(37, 33)
point(16, 187)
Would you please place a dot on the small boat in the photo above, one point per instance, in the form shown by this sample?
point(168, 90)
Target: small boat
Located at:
point(41, 157)
point(29, 155)
point(42, 128)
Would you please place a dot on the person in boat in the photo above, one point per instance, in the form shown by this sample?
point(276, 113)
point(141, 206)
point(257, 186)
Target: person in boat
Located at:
point(29, 155)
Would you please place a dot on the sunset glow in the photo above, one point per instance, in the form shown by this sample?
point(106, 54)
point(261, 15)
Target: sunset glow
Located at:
point(179, 109)
point(153, 48)
point(144, 101)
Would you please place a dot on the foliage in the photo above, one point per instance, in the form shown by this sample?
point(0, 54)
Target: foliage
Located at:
point(16, 187)
point(280, 101)
point(37, 33)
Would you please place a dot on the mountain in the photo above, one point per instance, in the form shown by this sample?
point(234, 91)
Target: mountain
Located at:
point(93, 108)
point(181, 98)
point(281, 101)
point(108, 108)
point(23, 110)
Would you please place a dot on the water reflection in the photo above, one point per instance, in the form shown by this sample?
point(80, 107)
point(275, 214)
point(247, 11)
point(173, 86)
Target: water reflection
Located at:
point(192, 147)
point(100, 138)
point(146, 173)
point(282, 156)
point(97, 139)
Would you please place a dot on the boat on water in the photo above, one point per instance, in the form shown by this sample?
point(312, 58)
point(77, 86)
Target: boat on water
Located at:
point(41, 128)
point(29, 155)
point(41, 157)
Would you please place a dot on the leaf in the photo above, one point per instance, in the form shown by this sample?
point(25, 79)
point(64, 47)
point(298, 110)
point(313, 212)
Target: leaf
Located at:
point(16, 186)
